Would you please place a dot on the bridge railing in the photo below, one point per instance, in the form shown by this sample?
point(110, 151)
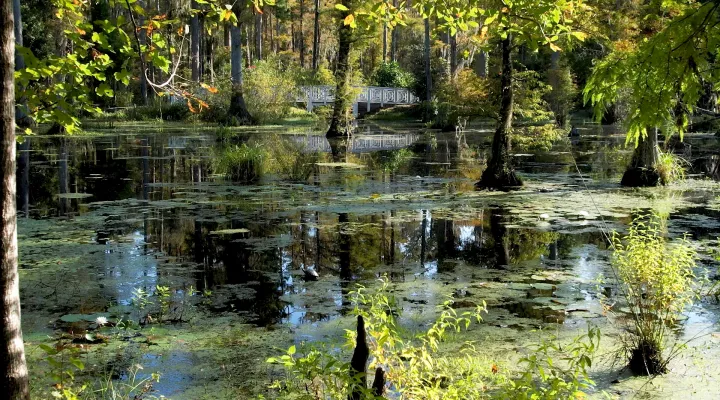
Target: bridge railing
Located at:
point(315, 95)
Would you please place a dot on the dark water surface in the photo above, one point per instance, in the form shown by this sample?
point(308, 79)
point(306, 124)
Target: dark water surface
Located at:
point(102, 217)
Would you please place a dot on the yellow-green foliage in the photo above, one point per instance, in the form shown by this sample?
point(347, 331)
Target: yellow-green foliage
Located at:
point(656, 279)
point(536, 137)
point(419, 366)
point(467, 94)
point(270, 90)
point(412, 363)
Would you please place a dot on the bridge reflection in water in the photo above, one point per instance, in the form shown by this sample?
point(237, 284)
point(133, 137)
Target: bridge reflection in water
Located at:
point(359, 143)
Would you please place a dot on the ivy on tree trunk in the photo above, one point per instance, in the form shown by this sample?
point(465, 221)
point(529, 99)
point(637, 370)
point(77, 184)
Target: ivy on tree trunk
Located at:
point(340, 125)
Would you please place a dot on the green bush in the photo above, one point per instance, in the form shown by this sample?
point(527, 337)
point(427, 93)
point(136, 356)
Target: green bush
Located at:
point(271, 89)
point(392, 75)
point(242, 163)
point(656, 280)
point(418, 366)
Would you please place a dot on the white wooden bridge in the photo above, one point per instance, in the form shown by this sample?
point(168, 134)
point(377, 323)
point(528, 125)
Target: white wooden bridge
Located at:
point(369, 99)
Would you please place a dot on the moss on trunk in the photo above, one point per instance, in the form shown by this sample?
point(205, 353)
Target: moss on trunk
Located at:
point(341, 123)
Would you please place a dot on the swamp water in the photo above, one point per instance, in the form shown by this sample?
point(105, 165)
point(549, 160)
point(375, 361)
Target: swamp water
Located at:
point(105, 220)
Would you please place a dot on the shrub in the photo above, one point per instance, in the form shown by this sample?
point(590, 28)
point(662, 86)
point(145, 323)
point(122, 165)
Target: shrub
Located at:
point(242, 163)
point(413, 365)
point(655, 279)
point(392, 75)
point(270, 90)
point(416, 367)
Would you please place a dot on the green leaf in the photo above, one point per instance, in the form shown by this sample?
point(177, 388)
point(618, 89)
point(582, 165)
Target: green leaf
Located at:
point(341, 7)
point(77, 363)
point(104, 90)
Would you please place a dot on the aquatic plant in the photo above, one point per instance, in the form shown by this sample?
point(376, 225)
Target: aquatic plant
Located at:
point(554, 371)
point(242, 163)
point(670, 167)
point(414, 365)
point(420, 366)
point(656, 280)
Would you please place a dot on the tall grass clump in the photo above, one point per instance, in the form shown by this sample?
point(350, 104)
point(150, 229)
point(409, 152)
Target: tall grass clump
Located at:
point(242, 163)
point(670, 167)
point(656, 279)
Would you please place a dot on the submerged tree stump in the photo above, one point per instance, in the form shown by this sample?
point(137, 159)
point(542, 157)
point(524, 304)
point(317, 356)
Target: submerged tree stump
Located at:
point(358, 363)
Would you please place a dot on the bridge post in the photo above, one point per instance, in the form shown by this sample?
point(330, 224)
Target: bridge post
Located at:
point(356, 111)
point(308, 98)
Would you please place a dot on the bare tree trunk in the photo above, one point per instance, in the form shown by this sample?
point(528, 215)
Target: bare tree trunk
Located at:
point(302, 34)
point(453, 56)
point(316, 36)
point(143, 40)
point(341, 118)
point(641, 171)
point(428, 74)
point(21, 111)
point(194, 43)
point(15, 385)
point(394, 38)
point(226, 35)
point(258, 36)
point(499, 173)
point(385, 43)
point(238, 109)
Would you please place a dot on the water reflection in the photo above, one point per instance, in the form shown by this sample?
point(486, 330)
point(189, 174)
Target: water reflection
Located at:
point(159, 216)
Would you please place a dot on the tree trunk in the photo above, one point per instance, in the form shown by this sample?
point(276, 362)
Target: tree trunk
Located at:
point(340, 125)
point(316, 37)
point(258, 36)
point(142, 35)
point(481, 66)
point(385, 43)
point(238, 112)
point(194, 43)
point(226, 35)
point(394, 38)
point(21, 111)
point(302, 34)
point(428, 75)
point(358, 363)
point(12, 351)
point(453, 56)
point(499, 173)
point(641, 171)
